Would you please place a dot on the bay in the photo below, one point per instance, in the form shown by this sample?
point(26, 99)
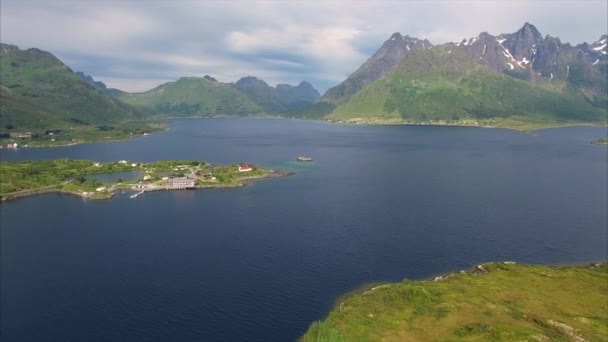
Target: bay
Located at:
point(260, 263)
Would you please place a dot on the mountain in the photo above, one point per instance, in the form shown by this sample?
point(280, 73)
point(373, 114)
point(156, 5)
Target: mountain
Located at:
point(89, 79)
point(525, 54)
point(390, 54)
point(99, 85)
point(39, 92)
point(193, 96)
point(520, 79)
point(206, 96)
point(282, 99)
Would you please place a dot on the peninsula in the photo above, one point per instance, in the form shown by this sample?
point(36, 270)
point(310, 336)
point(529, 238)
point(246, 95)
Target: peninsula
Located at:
point(490, 302)
point(78, 177)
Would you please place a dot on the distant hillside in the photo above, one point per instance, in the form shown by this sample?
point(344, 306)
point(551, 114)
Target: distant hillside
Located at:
point(205, 96)
point(193, 96)
point(492, 302)
point(39, 92)
point(519, 80)
point(282, 99)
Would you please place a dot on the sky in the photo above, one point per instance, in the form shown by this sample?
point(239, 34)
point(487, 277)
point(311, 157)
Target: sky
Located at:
point(137, 45)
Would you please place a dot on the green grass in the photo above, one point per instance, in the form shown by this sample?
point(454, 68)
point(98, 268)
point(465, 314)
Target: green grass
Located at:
point(600, 142)
point(509, 303)
point(193, 96)
point(38, 93)
point(29, 177)
point(434, 85)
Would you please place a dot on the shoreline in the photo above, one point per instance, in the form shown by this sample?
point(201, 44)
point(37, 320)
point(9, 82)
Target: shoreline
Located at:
point(476, 269)
point(73, 143)
point(498, 125)
point(109, 194)
point(349, 305)
point(332, 121)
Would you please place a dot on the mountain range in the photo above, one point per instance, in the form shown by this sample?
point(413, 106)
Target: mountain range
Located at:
point(39, 93)
point(518, 80)
point(509, 79)
point(206, 96)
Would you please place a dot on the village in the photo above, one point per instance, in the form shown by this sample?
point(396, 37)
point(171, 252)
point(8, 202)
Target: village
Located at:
point(183, 177)
point(101, 180)
point(19, 135)
point(180, 175)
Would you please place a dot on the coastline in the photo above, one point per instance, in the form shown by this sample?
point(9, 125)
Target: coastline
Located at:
point(434, 300)
point(372, 286)
point(520, 126)
point(109, 194)
point(72, 143)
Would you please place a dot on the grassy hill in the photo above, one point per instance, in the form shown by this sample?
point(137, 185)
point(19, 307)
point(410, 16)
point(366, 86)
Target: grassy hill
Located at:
point(444, 84)
point(280, 99)
point(39, 93)
point(493, 302)
point(193, 96)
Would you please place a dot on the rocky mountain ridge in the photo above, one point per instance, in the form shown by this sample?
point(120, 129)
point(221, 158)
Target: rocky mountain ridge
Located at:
point(476, 68)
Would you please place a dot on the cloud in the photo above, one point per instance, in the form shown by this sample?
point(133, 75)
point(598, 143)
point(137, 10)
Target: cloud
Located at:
point(133, 44)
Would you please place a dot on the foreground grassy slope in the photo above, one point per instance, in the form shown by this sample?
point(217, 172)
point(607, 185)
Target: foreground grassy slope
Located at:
point(445, 84)
point(193, 96)
point(497, 302)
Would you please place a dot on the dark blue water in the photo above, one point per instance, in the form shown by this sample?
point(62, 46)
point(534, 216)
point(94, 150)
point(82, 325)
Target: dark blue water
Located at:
point(260, 263)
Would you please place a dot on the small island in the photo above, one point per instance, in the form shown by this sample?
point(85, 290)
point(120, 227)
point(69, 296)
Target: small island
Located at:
point(500, 301)
point(78, 177)
point(600, 142)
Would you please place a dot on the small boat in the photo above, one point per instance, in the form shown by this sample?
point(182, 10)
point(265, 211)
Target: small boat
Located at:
point(304, 159)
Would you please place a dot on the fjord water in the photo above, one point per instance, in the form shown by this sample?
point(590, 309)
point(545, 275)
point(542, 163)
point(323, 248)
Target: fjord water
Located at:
point(260, 263)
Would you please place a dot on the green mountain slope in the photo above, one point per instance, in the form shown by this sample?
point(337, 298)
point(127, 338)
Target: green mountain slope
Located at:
point(39, 90)
point(492, 302)
point(282, 99)
point(446, 84)
point(205, 96)
point(21, 114)
point(193, 96)
point(390, 54)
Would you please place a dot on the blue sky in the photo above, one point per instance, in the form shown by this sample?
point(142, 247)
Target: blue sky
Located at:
point(137, 45)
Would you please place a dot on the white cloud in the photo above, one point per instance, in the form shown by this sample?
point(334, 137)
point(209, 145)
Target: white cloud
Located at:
point(278, 41)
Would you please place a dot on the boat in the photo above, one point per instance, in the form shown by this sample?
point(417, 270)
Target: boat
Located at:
point(304, 159)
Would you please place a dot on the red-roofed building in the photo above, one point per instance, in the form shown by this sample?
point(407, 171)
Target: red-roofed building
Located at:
point(245, 168)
